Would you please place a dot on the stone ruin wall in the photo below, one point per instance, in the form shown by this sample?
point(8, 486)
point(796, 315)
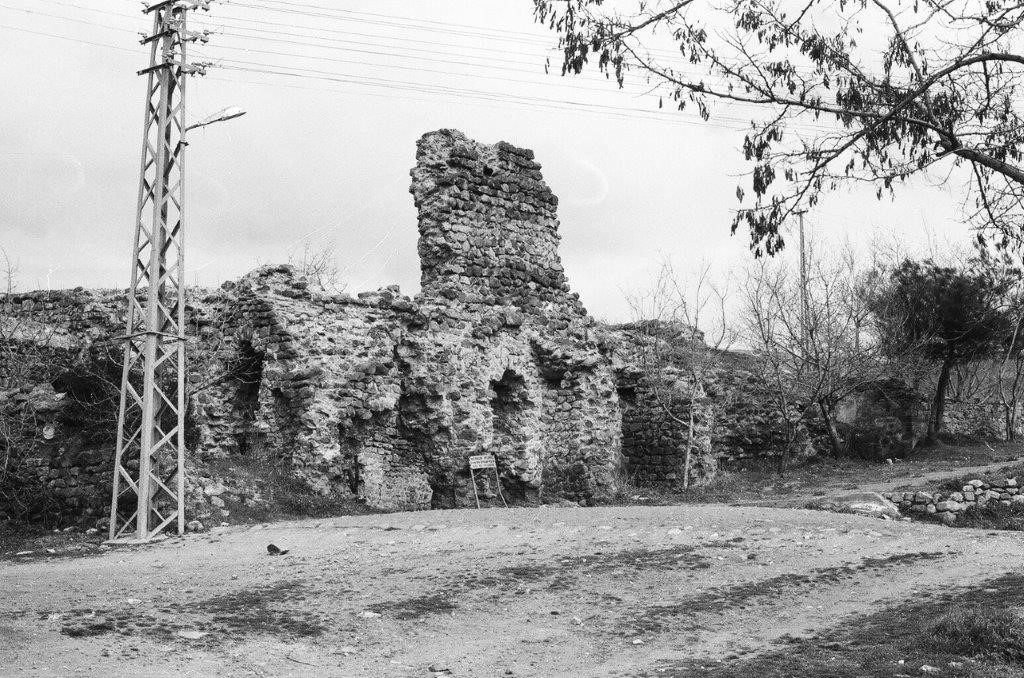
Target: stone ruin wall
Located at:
point(383, 397)
point(386, 396)
point(44, 337)
point(379, 395)
point(656, 396)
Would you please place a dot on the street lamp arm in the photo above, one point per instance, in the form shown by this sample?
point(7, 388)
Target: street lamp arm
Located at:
point(220, 116)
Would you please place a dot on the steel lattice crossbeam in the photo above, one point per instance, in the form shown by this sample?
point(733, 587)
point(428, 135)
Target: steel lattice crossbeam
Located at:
point(149, 482)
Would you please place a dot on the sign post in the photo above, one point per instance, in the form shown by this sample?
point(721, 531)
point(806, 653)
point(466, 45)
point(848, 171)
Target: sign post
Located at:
point(484, 461)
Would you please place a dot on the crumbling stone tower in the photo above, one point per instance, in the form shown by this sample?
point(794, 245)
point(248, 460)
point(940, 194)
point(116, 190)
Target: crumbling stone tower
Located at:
point(488, 226)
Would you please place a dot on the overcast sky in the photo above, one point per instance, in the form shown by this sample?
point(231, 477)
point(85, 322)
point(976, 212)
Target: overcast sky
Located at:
point(325, 158)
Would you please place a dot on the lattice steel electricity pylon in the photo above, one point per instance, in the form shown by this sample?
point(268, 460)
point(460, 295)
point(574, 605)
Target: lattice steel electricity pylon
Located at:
point(149, 479)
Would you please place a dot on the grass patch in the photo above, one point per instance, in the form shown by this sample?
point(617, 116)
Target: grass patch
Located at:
point(973, 633)
point(415, 608)
point(276, 610)
point(977, 632)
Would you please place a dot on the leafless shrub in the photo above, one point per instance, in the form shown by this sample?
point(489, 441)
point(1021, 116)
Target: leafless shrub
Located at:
point(811, 339)
point(318, 263)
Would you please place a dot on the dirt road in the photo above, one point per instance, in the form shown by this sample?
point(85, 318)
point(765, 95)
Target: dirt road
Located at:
point(622, 591)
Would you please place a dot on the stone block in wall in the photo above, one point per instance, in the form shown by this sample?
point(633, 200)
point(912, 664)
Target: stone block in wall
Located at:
point(394, 488)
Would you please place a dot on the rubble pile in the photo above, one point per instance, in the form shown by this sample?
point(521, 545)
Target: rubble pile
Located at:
point(947, 506)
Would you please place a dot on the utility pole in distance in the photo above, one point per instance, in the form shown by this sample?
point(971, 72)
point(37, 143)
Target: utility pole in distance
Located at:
point(149, 479)
point(804, 307)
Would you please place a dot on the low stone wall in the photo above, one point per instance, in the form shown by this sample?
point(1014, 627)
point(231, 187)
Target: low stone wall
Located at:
point(948, 506)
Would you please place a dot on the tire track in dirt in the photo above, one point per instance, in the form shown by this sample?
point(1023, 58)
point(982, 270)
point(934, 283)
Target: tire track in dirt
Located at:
point(714, 603)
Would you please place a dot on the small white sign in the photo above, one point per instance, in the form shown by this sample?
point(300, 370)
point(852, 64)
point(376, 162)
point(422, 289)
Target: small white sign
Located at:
point(482, 461)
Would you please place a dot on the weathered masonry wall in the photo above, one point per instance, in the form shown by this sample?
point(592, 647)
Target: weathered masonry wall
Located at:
point(63, 473)
point(378, 395)
point(747, 422)
point(56, 426)
point(42, 331)
point(386, 396)
point(381, 396)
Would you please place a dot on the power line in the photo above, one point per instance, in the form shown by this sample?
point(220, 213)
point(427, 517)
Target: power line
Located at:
point(65, 18)
point(378, 53)
point(480, 31)
point(806, 125)
point(391, 23)
point(484, 101)
point(403, 18)
point(490, 66)
point(406, 86)
point(417, 69)
point(222, 21)
point(461, 93)
point(493, 63)
point(664, 53)
point(64, 37)
point(454, 30)
point(93, 9)
point(550, 104)
point(260, 35)
point(496, 64)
